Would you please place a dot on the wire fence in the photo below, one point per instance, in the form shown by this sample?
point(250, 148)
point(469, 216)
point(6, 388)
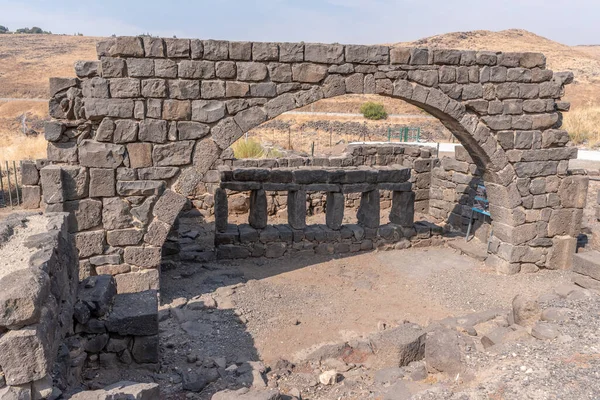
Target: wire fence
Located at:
point(10, 187)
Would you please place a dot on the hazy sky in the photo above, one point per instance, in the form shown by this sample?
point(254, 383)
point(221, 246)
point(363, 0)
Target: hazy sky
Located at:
point(344, 21)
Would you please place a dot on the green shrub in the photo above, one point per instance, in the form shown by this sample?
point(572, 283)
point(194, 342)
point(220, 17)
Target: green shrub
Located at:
point(373, 111)
point(247, 149)
point(3, 29)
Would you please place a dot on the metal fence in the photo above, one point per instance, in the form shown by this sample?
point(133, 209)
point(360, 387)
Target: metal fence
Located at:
point(10, 188)
point(405, 134)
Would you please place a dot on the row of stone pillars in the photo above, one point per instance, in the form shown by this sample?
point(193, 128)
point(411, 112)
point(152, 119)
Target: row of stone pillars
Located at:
point(368, 215)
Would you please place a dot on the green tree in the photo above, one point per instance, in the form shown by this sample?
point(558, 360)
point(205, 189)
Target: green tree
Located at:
point(3, 29)
point(375, 111)
point(34, 30)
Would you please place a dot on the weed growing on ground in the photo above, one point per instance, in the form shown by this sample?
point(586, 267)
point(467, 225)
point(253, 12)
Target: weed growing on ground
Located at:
point(248, 148)
point(583, 125)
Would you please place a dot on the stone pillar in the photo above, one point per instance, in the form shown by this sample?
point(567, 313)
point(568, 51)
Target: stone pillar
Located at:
point(368, 211)
point(335, 210)
point(403, 209)
point(296, 205)
point(257, 217)
point(221, 210)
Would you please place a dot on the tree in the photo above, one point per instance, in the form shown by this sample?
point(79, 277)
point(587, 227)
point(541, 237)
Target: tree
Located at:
point(34, 30)
point(3, 29)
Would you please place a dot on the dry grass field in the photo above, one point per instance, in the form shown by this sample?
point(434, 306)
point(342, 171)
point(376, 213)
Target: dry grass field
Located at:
point(26, 64)
point(351, 103)
point(27, 61)
point(15, 144)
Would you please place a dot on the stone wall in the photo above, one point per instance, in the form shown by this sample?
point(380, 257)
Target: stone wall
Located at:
point(258, 239)
point(31, 188)
point(115, 330)
point(274, 241)
point(135, 133)
point(417, 158)
point(586, 263)
point(453, 189)
point(36, 305)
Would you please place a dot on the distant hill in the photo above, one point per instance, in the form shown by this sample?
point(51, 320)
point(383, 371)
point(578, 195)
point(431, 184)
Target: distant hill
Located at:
point(28, 61)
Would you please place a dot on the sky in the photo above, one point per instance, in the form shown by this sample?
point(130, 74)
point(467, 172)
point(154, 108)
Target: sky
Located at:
point(329, 21)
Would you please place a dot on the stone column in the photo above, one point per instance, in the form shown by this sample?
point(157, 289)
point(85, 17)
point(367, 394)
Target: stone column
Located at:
point(403, 209)
point(368, 211)
point(296, 205)
point(335, 210)
point(221, 210)
point(257, 217)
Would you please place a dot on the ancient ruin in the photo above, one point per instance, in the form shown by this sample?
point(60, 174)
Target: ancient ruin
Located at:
point(145, 130)
point(147, 123)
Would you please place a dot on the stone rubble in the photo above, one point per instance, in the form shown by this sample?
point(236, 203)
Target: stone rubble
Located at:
point(36, 307)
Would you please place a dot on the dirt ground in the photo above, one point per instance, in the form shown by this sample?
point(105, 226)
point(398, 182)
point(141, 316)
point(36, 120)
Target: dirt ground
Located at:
point(265, 311)
point(293, 304)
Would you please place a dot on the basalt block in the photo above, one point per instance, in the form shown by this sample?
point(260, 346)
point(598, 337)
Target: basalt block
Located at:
point(134, 314)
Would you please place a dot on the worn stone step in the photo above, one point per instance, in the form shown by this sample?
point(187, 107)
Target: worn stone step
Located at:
point(473, 248)
point(587, 263)
point(586, 269)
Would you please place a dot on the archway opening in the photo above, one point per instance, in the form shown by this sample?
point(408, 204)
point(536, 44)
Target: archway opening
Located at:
point(332, 133)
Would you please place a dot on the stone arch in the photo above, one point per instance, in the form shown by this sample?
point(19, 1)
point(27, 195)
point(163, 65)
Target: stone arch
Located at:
point(466, 126)
point(138, 129)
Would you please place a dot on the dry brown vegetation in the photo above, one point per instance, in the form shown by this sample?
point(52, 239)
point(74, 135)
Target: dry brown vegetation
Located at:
point(28, 61)
point(351, 103)
point(14, 143)
point(26, 64)
point(583, 125)
point(300, 139)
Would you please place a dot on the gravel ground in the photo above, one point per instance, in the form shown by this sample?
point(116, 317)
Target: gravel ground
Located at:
point(231, 317)
point(480, 290)
point(567, 367)
point(13, 254)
